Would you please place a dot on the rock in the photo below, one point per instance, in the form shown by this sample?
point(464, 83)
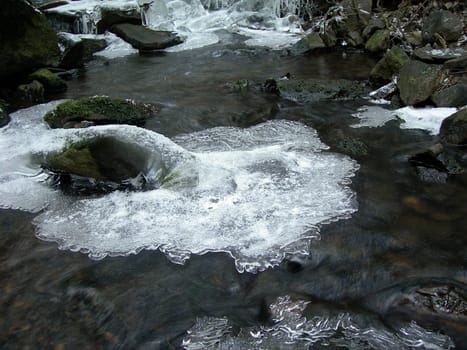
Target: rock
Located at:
point(26, 39)
point(457, 65)
point(61, 21)
point(389, 65)
point(454, 128)
point(417, 81)
point(357, 14)
point(51, 4)
point(50, 81)
point(430, 55)
point(143, 38)
point(99, 110)
point(310, 42)
point(445, 23)
point(111, 16)
point(414, 38)
point(453, 96)
point(374, 24)
point(4, 118)
point(352, 147)
point(29, 94)
point(312, 90)
point(378, 42)
point(77, 53)
point(355, 39)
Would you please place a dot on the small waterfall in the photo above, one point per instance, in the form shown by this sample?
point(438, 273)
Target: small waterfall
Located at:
point(154, 14)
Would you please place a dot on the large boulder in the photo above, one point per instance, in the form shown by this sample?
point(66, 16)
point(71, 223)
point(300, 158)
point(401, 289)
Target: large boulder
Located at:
point(27, 42)
point(389, 65)
point(111, 16)
point(308, 43)
point(418, 81)
point(99, 111)
point(454, 128)
point(143, 38)
point(453, 96)
point(444, 23)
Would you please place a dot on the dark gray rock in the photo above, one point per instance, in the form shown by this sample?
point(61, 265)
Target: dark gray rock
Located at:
point(112, 16)
point(457, 65)
point(310, 42)
point(374, 24)
point(357, 14)
point(143, 38)
point(445, 23)
point(454, 128)
point(77, 53)
point(27, 42)
point(453, 96)
point(418, 81)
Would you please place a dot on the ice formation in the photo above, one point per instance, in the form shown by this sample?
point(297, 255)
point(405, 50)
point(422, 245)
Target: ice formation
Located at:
point(258, 193)
point(291, 331)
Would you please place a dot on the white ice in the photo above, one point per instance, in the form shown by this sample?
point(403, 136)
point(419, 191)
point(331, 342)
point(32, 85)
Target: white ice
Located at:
point(428, 118)
point(258, 193)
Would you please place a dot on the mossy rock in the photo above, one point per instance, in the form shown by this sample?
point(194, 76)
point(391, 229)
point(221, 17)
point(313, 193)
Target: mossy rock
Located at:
point(378, 42)
point(99, 110)
point(312, 90)
point(454, 128)
point(389, 65)
point(27, 40)
point(101, 158)
point(49, 80)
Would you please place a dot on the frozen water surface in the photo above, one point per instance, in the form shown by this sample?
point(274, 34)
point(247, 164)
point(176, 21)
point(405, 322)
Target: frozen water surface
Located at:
point(258, 193)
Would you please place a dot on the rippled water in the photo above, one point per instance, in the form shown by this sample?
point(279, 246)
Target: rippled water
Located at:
point(354, 288)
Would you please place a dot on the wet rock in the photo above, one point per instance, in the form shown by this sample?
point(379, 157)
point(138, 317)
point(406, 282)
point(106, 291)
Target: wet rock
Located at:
point(111, 16)
point(430, 55)
point(77, 53)
point(414, 38)
point(27, 41)
point(357, 14)
point(4, 118)
point(389, 65)
point(29, 94)
point(444, 23)
point(310, 42)
point(454, 128)
point(98, 111)
point(352, 147)
point(427, 165)
point(50, 81)
point(51, 4)
point(61, 22)
point(453, 96)
point(355, 39)
point(312, 90)
point(418, 81)
point(143, 38)
point(378, 42)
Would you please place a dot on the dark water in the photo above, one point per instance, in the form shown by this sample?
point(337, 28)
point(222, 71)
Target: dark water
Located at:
point(407, 233)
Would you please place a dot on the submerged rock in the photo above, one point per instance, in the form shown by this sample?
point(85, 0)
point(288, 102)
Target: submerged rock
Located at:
point(4, 118)
point(312, 90)
point(454, 128)
point(143, 38)
point(418, 81)
point(98, 111)
point(50, 81)
point(27, 41)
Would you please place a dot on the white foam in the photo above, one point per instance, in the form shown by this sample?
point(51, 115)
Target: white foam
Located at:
point(293, 331)
point(372, 116)
point(257, 193)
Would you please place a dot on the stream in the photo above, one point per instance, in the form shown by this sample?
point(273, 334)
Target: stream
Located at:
point(387, 272)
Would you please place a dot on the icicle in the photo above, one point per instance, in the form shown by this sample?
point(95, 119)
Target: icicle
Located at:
point(154, 14)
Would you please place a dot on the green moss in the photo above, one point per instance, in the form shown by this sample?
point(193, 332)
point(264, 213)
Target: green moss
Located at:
point(379, 41)
point(50, 81)
point(100, 110)
point(75, 159)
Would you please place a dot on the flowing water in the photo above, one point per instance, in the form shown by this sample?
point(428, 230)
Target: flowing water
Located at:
point(267, 238)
